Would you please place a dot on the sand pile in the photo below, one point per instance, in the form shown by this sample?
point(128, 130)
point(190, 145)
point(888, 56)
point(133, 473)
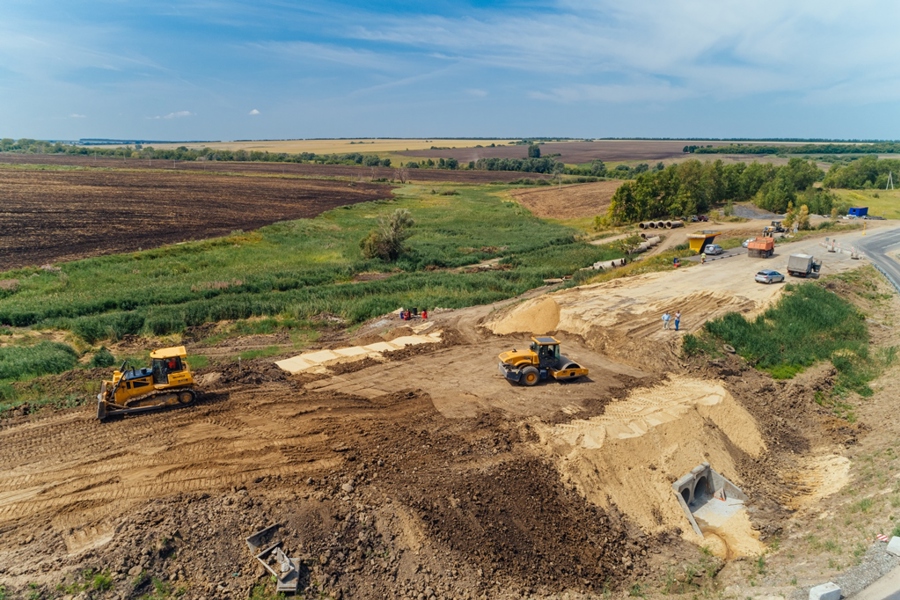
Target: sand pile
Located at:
point(537, 317)
point(629, 456)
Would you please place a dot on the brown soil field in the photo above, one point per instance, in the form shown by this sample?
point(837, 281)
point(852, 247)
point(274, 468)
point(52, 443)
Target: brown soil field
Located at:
point(58, 215)
point(568, 201)
point(575, 152)
point(353, 173)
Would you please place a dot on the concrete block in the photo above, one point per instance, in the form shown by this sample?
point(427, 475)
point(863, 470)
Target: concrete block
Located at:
point(893, 546)
point(826, 591)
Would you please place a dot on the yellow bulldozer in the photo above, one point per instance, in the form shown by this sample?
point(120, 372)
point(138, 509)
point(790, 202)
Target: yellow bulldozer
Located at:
point(542, 360)
point(167, 382)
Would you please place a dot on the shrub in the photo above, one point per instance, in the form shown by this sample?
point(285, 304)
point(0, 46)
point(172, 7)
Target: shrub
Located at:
point(387, 242)
point(102, 358)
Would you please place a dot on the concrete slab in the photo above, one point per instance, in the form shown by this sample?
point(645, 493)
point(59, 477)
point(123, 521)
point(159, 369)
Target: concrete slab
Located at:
point(381, 347)
point(295, 364)
point(352, 351)
point(320, 356)
point(893, 546)
point(826, 591)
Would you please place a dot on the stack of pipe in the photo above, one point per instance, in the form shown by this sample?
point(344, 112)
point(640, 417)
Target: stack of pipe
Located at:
point(674, 224)
point(609, 264)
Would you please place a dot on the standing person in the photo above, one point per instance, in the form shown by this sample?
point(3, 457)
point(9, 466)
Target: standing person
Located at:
point(666, 317)
point(677, 319)
point(424, 314)
point(703, 258)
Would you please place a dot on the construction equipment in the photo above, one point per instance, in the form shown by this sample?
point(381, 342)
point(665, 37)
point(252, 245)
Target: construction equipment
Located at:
point(542, 360)
point(167, 382)
point(700, 239)
point(802, 265)
point(778, 227)
point(761, 247)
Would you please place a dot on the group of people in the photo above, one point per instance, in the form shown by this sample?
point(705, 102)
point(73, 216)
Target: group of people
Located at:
point(667, 318)
point(406, 314)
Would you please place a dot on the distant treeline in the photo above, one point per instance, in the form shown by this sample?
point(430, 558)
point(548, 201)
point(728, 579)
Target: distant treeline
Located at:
point(829, 148)
point(694, 187)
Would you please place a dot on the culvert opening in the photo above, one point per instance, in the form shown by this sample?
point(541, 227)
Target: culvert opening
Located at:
point(701, 490)
point(707, 496)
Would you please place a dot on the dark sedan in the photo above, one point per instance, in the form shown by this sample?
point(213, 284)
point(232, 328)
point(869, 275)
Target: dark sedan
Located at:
point(769, 276)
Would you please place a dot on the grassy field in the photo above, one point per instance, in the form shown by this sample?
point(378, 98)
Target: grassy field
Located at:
point(881, 203)
point(365, 146)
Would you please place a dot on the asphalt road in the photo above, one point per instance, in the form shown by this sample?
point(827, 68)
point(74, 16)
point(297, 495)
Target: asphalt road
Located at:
point(878, 246)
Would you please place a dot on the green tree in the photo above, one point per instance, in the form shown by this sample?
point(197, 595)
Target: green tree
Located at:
point(534, 151)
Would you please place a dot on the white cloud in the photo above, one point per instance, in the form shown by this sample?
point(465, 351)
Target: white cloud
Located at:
point(477, 93)
point(77, 116)
point(253, 112)
point(175, 115)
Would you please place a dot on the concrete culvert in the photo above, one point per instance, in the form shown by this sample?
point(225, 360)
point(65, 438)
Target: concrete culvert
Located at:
point(642, 225)
point(676, 224)
point(668, 224)
point(660, 224)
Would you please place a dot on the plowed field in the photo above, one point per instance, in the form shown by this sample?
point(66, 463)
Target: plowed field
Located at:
point(57, 215)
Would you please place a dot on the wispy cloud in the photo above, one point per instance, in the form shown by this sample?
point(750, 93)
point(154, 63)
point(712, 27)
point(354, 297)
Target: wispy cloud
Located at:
point(77, 116)
point(181, 114)
point(253, 112)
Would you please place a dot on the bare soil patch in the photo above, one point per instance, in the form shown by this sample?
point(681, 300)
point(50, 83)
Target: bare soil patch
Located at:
point(58, 215)
point(568, 201)
point(575, 152)
point(347, 172)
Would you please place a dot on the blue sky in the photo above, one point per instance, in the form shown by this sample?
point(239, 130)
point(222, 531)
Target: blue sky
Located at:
point(223, 69)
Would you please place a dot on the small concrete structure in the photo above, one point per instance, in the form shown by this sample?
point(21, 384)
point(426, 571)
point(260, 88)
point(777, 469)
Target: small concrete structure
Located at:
point(696, 491)
point(826, 591)
point(893, 546)
point(318, 360)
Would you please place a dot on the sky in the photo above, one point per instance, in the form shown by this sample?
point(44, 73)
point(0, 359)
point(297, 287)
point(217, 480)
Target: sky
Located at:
point(281, 69)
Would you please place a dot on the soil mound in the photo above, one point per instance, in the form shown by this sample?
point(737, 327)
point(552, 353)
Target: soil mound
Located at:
point(538, 316)
point(629, 456)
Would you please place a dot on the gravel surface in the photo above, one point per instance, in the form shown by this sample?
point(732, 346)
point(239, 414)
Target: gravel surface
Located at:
point(876, 563)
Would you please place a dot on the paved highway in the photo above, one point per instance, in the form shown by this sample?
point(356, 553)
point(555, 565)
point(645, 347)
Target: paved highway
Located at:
point(877, 248)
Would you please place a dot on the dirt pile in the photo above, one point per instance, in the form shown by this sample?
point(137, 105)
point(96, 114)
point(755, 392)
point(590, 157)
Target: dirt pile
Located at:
point(629, 456)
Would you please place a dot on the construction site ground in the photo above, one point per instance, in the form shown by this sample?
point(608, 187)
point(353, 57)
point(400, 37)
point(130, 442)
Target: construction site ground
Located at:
point(424, 473)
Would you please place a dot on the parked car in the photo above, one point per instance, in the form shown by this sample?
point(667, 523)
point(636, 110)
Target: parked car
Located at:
point(713, 249)
point(746, 242)
point(769, 276)
point(702, 218)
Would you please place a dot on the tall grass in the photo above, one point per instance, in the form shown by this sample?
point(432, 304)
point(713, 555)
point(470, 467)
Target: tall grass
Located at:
point(18, 362)
point(809, 324)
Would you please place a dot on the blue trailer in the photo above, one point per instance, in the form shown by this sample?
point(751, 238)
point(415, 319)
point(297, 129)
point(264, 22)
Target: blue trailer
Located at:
point(858, 211)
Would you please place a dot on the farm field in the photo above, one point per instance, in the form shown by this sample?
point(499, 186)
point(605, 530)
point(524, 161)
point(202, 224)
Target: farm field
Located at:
point(312, 171)
point(57, 215)
point(339, 146)
point(422, 472)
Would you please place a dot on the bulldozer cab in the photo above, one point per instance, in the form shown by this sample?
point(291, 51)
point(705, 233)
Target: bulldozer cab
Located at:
point(167, 361)
point(547, 350)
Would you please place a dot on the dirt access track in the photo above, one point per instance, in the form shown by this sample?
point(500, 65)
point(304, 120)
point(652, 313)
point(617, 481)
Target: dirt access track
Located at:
point(428, 474)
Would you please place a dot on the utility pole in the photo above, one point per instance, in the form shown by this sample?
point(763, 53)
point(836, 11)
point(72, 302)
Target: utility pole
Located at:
point(890, 181)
